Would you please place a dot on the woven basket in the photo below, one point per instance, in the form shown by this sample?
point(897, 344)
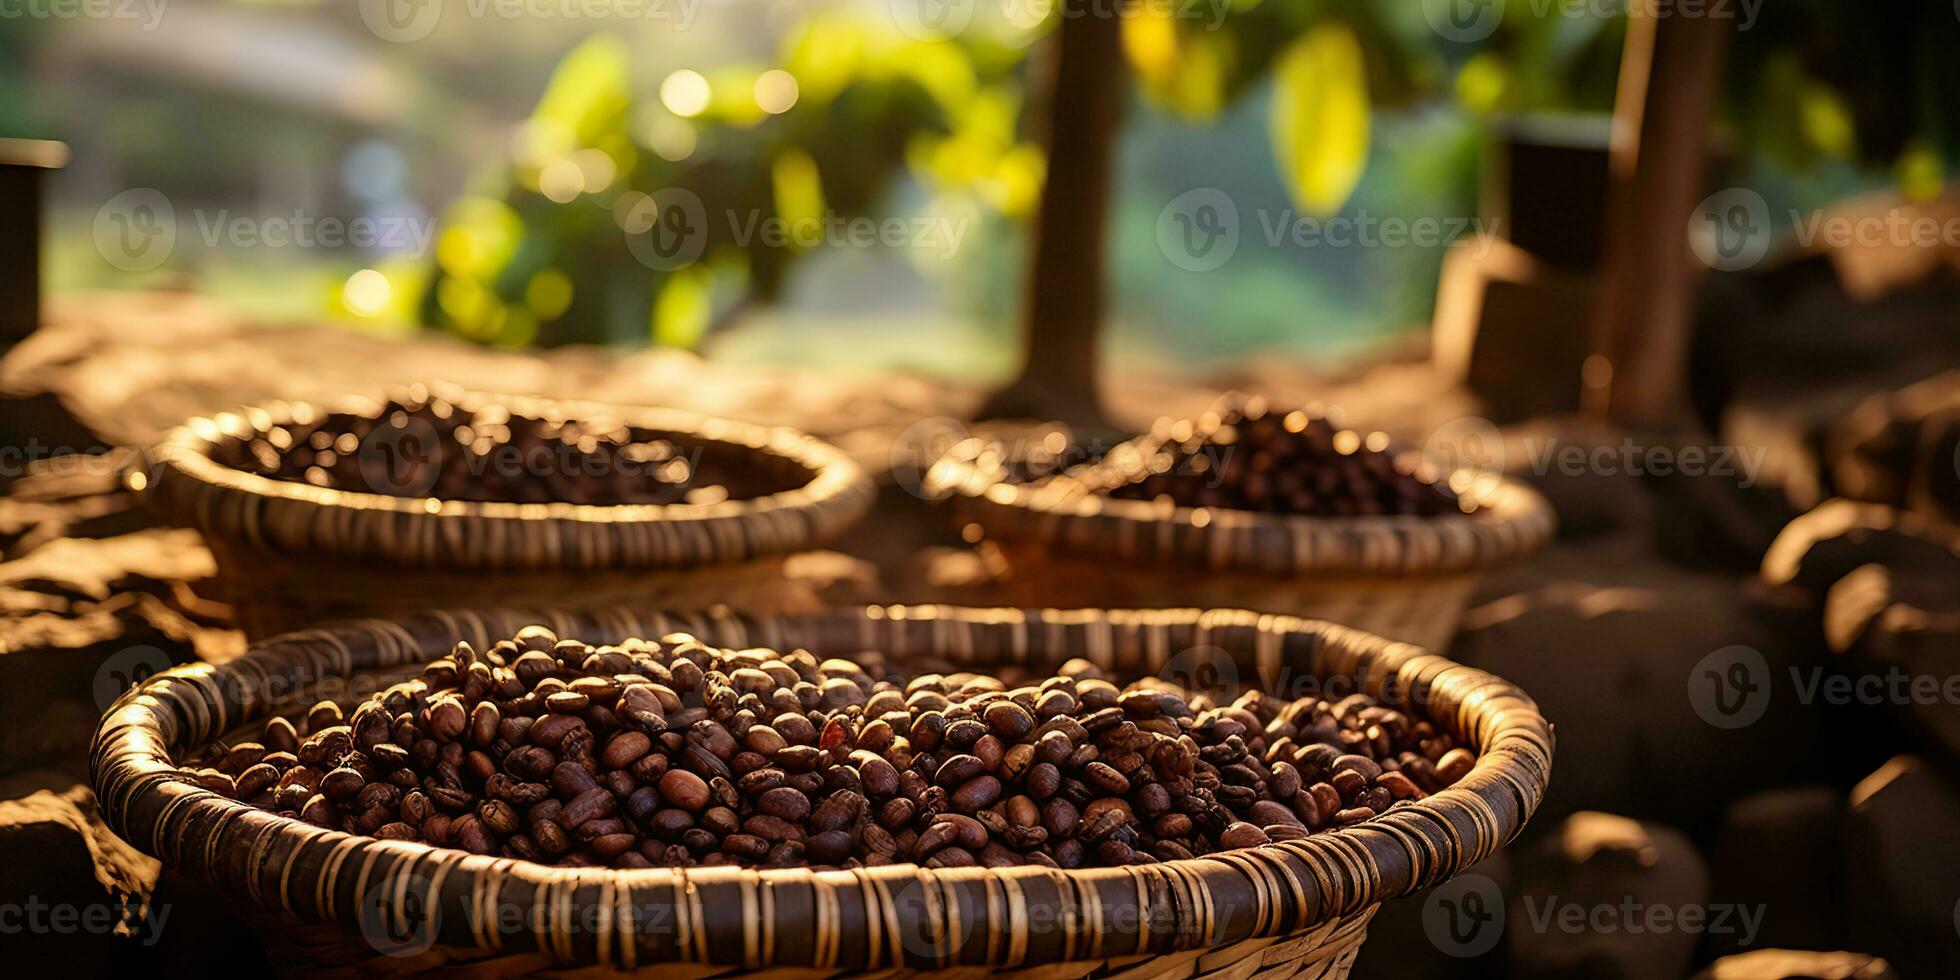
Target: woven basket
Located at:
point(1403, 577)
point(1296, 908)
point(290, 553)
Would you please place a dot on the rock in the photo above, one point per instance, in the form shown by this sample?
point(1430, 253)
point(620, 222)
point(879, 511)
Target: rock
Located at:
point(1901, 629)
point(1824, 545)
point(1902, 868)
point(1781, 851)
point(1719, 516)
point(1610, 897)
point(80, 897)
point(1617, 647)
point(1794, 964)
point(1888, 450)
point(81, 619)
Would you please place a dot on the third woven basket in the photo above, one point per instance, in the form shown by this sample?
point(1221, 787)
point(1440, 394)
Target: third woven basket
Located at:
point(328, 901)
point(1061, 542)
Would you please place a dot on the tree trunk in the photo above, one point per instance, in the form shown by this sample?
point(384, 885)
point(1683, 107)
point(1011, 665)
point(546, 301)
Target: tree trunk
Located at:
point(1668, 86)
point(1062, 306)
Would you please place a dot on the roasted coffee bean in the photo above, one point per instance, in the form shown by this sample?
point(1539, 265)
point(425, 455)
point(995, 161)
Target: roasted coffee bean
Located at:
point(684, 789)
point(1105, 778)
point(784, 802)
point(677, 753)
point(1243, 455)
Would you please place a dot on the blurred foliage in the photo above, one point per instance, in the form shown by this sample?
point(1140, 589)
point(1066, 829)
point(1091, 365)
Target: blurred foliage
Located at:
point(1823, 80)
point(595, 169)
point(542, 251)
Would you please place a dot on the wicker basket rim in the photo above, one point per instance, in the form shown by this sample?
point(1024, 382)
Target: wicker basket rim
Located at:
point(186, 449)
point(1512, 519)
point(132, 757)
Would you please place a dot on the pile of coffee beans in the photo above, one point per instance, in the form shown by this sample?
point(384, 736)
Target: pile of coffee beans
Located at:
point(430, 446)
point(677, 753)
point(1246, 456)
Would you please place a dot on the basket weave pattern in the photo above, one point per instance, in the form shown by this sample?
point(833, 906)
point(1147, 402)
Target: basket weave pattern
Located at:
point(291, 554)
point(1295, 908)
point(1404, 577)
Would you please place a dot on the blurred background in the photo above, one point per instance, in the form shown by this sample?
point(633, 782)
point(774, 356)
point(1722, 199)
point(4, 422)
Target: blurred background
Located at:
point(508, 145)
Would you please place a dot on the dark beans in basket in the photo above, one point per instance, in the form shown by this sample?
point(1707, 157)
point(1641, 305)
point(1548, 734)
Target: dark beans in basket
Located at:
point(1248, 457)
point(437, 447)
point(677, 753)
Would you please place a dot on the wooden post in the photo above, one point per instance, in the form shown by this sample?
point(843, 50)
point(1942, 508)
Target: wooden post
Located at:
point(1668, 87)
point(1062, 305)
point(23, 168)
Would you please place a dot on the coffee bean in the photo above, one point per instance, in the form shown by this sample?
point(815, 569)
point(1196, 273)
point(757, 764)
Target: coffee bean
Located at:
point(676, 753)
point(784, 802)
point(1242, 834)
point(684, 789)
point(1009, 721)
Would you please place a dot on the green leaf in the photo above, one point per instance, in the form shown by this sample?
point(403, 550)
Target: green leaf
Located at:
point(683, 307)
point(1320, 117)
